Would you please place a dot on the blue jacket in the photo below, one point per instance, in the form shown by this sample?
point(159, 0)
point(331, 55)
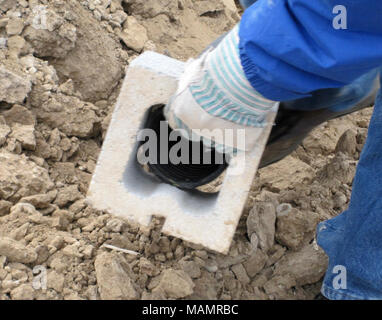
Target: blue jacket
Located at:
point(289, 48)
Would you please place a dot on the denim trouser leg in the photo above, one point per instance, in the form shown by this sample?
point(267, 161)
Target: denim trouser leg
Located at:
point(353, 240)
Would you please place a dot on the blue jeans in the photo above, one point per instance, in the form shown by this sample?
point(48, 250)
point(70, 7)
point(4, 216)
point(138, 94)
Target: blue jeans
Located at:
point(353, 240)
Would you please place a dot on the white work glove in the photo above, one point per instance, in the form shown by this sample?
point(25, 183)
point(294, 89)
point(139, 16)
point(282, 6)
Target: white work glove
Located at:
point(214, 93)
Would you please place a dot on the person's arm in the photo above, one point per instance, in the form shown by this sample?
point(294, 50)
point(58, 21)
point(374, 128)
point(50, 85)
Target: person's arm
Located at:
point(289, 48)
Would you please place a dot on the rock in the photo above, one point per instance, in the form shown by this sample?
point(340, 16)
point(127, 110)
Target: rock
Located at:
point(255, 263)
point(277, 287)
point(55, 281)
point(5, 207)
point(73, 250)
point(70, 115)
point(305, 266)
point(15, 26)
point(206, 288)
point(20, 232)
point(340, 169)
point(286, 173)
point(5, 5)
point(40, 201)
point(261, 221)
point(4, 132)
point(14, 88)
point(296, 228)
point(67, 195)
point(49, 34)
point(20, 177)
point(113, 281)
point(115, 225)
point(134, 35)
point(23, 292)
point(18, 47)
point(93, 64)
point(25, 135)
point(241, 273)
point(19, 114)
point(3, 43)
point(24, 209)
point(42, 254)
point(16, 252)
point(191, 268)
point(146, 267)
point(176, 284)
point(347, 143)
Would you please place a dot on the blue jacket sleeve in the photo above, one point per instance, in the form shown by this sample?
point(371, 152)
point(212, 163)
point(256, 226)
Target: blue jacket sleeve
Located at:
point(289, 48)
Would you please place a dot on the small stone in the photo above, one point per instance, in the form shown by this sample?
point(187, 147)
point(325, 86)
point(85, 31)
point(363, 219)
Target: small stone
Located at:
point(4, 133)
point(146, 267)
point(5, 207)
point(13, 87)
point(25, 135)
point(255, 263)
point(134, 34)
point(88, 251)
point(3, 43)
point(115, 225)
point(55, 281)
point(19, 114)
point(16, 251)
point(40, 201)
point(176, 284)
point(113, 281)
point(241, 274)
point(58, 242)
point(72, 251)
point(23, 292)
point(17, 46)
point(262, 221)
point(296, 228)
point(67, 195)
point(20, 232)
point(42, 254)
point(15, 26)
point(191, 268)
point(347, 143)
point(306, 266)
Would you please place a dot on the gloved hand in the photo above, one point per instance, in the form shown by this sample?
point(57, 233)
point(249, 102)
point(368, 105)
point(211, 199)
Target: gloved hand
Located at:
point(215, 95)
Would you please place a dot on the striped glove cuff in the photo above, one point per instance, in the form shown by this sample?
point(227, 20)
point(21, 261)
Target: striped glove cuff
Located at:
point(214, 93)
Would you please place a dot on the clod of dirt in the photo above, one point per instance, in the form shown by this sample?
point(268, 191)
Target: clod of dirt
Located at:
point(50, 34)
point(20, 177)
point(347, 143)
point(261, 222)
point(296, 228)
point(113, 281)
point(281, 175)
point(19, 114)
point(70, 115)
point(93, 64)
point(5, 207)
point(134, 35)
point(16, 251)
point(14, 88)
point(304, 267)
point(175, 284)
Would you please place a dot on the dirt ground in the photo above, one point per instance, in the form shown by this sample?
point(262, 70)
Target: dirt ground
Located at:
point(61, 66)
